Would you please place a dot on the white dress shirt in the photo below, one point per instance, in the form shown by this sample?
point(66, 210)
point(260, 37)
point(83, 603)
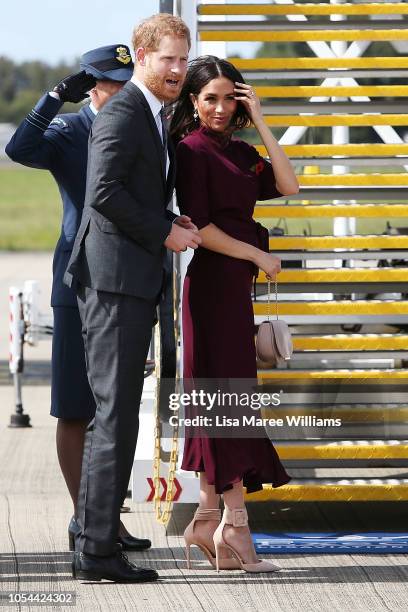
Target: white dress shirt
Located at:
point(155, 107)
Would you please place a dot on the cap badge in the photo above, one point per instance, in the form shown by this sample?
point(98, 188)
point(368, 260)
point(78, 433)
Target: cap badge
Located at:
point(123, 55)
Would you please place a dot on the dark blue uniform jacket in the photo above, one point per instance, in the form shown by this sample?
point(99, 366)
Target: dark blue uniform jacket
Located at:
point(60, 145)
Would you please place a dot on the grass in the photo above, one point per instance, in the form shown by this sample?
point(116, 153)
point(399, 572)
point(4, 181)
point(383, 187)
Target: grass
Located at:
point(30, 213)
point(30, 209)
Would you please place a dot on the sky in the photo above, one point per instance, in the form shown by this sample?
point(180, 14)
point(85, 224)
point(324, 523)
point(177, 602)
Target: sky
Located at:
point(62, 30)
point(55, 30)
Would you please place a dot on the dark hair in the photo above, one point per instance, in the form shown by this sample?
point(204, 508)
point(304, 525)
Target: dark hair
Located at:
point(201, 71)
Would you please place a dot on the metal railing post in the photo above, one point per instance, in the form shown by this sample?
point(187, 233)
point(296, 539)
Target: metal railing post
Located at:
point(16, 363)
point(166, 6)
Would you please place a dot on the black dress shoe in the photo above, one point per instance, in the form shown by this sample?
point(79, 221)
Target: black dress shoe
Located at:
point(130, 543)
point(127, 542)
point(116, 568)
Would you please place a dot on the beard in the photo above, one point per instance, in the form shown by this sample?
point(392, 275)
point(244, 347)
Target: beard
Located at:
point(157, 85)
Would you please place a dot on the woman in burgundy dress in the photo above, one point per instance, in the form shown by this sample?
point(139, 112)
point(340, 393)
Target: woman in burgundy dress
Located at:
point(219, 180)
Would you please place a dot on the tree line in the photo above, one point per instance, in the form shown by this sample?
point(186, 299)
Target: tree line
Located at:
point(21, 86)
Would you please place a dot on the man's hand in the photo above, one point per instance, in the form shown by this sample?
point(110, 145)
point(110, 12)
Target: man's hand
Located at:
point(184, 221)
point(180, 238)
point(74, 87)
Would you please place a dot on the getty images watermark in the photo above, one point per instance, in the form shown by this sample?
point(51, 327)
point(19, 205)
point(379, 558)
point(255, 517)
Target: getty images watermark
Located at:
point(239, 414)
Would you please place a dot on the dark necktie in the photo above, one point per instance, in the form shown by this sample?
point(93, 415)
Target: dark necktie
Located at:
point(164, 130)
point(164, 138)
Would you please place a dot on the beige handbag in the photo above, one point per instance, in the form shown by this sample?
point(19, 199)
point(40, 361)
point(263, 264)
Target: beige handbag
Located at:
point(274, 340)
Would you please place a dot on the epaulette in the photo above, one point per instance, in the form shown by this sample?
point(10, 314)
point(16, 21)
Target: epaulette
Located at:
point(60, 122)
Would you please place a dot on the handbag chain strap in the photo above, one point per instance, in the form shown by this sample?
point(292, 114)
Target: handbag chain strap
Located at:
point(163, 514)
point(268, 307)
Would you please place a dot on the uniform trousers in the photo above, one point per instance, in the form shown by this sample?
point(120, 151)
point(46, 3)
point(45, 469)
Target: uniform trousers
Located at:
point(71, 396)
point(117, 331)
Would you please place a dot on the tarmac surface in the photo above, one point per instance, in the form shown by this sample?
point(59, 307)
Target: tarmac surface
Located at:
point(35, 510)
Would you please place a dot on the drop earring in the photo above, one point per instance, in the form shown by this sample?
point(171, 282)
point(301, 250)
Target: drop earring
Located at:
point(195, 115)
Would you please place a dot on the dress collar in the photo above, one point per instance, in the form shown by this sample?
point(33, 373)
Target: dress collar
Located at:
point(93, 109)
point(222, 139)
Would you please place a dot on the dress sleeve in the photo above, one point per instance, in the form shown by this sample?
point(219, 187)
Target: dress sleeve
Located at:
point(266, 178)
point(192, 184)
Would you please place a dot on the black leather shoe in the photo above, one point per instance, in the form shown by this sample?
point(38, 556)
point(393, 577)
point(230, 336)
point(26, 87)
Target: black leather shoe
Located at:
point(130, 543)
point(116, 568)
point(127, 542)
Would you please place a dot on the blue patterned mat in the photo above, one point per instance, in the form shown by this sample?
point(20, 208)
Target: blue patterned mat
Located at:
point(340, 543)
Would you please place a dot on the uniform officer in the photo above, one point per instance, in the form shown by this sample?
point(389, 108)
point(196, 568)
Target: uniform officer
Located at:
point(59, 143)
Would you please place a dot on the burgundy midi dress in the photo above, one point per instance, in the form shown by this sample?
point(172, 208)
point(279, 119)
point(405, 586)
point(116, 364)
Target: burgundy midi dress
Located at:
point(219, 182)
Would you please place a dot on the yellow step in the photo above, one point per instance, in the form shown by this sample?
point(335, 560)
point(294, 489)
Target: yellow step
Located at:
point(265, 211)
point(347, 342)
point(372, 490)
point(309, 91)
point(301, 35)
point(351, 415)
point(374, 8)
point(359, 180)
point(352, 150)
point(310, 243)
point(336, 308)
point(378, 375)
point(350, 449)
point(333, 120)
point(317, 63)
point(341, 275)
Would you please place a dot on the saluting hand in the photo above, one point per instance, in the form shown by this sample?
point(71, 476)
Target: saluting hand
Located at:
point(74, 87)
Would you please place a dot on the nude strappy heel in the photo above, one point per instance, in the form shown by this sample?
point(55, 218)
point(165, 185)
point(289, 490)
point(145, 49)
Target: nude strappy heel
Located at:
point(238, 517)
point(192, 538)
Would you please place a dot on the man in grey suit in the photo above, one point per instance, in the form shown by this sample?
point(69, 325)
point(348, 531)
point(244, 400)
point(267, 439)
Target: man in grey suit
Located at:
point(117, 267)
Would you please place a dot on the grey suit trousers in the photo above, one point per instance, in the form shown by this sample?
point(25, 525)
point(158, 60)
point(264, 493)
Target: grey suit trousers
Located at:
point(117, 331)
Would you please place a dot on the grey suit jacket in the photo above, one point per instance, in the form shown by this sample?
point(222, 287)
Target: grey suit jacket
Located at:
point(119, 245)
